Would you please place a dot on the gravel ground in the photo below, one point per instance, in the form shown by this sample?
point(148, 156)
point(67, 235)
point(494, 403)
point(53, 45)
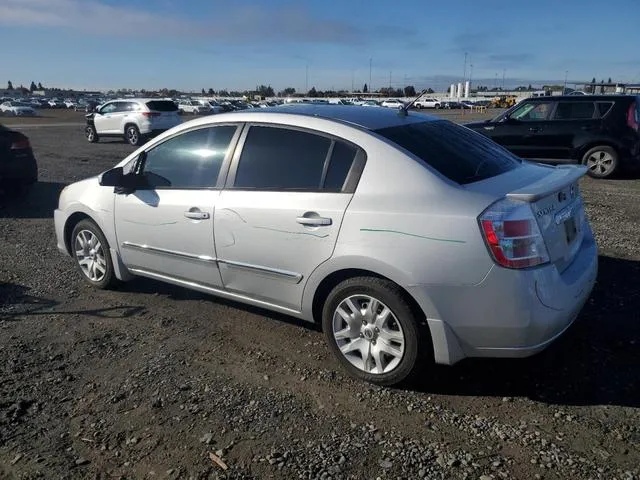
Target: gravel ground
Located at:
point(148, 381)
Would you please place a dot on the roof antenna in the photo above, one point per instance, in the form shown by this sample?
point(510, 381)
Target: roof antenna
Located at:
point(404, 111)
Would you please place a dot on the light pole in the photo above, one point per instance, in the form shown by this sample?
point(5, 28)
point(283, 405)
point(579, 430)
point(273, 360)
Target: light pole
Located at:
point(306, 79)
point(352, 82)
point(389, 92)
point(464, 71)
point(564, 89)
point(470, 75)
point(370, 63)
point(503, 72)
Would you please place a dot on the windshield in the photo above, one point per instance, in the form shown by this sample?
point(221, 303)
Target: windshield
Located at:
point(456, 152)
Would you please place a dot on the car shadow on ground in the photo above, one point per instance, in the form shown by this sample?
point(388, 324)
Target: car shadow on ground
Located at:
point(596, 362)
point(17, 301)
point(39, 201)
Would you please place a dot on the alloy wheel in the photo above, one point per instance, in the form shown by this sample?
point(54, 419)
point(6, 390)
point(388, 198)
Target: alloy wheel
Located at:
point(600, 162)
point(368, 334)
point(90, 255)
point(132, 136)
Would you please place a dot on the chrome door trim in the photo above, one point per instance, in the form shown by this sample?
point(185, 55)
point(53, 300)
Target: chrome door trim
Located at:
point(296, 277)
point(174, 253)
point(216, 291)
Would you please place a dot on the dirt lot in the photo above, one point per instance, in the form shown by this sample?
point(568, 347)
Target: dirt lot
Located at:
point(146, 381)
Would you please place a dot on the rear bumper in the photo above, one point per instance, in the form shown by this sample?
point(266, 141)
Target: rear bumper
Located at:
point(19, 167)
point(510, 313)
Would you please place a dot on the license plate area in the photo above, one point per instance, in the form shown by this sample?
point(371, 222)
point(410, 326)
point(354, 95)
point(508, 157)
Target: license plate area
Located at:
point(570, 229)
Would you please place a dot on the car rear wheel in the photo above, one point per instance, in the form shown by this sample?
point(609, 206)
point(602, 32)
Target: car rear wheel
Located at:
point(372, 329)
point(601, 161)
point(132, 135)
point(90, 251)
point(91, 134)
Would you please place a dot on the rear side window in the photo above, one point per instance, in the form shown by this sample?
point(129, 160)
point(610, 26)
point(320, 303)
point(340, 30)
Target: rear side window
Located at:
point(340, 164)
point(456, 152)
point(162, 106)
point(603, 108)
point(574, 111)
point(282, 159)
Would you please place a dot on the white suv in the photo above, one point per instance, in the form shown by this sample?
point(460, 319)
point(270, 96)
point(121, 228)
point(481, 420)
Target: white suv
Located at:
point(194, 107)
point(427, 103)
point(132, 118)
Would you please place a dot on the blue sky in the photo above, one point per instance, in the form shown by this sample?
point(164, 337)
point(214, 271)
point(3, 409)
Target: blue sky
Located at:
point(237, 44)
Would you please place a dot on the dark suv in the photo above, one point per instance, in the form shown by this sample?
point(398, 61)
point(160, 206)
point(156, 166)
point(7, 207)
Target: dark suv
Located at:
point(599, 131)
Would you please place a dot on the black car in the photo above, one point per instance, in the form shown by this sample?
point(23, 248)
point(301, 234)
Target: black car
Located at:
point(18, 167)
point(599, 131)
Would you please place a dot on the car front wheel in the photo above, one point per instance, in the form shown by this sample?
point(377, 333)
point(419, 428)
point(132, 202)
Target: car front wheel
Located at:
point(90, 251)
point(91, 134)
point(371, 328)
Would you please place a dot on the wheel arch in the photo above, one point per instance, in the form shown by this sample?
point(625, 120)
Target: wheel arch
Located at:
point(70, 224)
point(595, 143)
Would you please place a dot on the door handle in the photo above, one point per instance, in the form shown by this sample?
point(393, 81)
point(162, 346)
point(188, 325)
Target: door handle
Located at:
point(314, 221)
point(535, 129)
point(195, 214)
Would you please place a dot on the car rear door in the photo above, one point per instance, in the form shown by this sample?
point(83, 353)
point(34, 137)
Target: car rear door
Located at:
point(570, 126)
point(165, 229)
point(521, 130)
point(279, 216)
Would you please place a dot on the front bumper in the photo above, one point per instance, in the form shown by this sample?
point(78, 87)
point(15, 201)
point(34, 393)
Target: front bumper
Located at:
point(59, 220)
point(511, 313)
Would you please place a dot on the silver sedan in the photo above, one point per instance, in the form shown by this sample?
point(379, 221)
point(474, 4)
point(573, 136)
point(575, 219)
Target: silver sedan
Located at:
point(405, 236)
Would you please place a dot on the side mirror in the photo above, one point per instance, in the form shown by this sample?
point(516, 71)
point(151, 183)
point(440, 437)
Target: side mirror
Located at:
point(112, 178)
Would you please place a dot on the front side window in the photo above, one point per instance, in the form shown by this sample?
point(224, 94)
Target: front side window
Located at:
point(282, 159)
point(190, 160)
point(574, 111)
point(532, 112)
point(109, 108)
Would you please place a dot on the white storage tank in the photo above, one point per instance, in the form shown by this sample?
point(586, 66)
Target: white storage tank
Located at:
point(452, 91)
point(467, 87)
point(460, 92)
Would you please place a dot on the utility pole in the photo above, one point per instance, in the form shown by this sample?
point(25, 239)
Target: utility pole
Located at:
point(495, 81)
point(352, 82)
point(564, 89)
point(389, 92)
point(503, 72)
point(470, 74)
point(464, 71)
point(370, 63)
point(306, 79)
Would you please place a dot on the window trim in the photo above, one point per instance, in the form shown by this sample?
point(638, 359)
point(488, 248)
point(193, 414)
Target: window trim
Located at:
point(226, 161)
point(549, 117)
point(351, 181)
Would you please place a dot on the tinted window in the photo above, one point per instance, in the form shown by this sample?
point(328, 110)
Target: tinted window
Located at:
point(282, 159)
point(533, 111)
point(190, 160)
point(603, 108)
point(574, 110)
point(341, 160)
point(162, 106)
point(458, 153)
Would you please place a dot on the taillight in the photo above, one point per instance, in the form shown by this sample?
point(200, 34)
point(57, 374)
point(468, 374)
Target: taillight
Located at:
point(632, 118)
point(20, 144)
point(512, 235)
point(151, 114)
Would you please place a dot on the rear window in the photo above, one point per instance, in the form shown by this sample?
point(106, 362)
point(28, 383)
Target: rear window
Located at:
point(574, 111)
point(162, 106)
point(456, 152)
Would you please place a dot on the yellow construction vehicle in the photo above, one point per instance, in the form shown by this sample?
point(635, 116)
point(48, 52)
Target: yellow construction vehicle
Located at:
point(505, 101)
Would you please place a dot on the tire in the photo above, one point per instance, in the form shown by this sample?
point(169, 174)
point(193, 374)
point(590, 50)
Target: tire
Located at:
point(90, 251)
point(375, 336)
point(601, 161)
point(132, 135)
point(91, 134)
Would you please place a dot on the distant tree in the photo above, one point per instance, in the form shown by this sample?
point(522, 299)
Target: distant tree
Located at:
point(609, 81)
point(204, 92)
point(40, 87)
point(211, 92)
point(223, 93)
point(365, 89)
point(287, 92)
point(265, 91)
point(430, 90)
point(312, 93)
point(409, 91)
point(602, 86)
point(32, 87)
point(9, 85)
point(529, 88)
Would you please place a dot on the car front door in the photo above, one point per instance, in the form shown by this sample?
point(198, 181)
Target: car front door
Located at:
point(165, 228)
point(102, 118)
point(521, 130)
point(279, 216)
